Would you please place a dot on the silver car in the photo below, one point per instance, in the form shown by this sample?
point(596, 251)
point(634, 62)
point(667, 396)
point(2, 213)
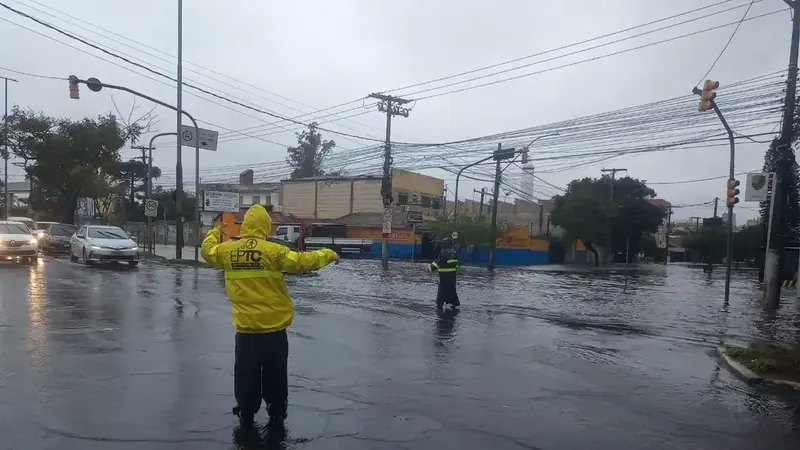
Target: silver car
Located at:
point(96, 243)
point(17, 242)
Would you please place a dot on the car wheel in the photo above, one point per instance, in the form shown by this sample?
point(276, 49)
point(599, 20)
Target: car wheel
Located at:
point(133, 263)
point(72, 256)
point(33, 260)
point(85, 259)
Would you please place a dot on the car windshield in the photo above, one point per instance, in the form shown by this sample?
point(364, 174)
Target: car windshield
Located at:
point(42, 225)
point(13, 228)
point(107, 233)
point(62, 230)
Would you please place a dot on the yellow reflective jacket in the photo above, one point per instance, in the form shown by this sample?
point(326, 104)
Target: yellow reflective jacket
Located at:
point(254, 273)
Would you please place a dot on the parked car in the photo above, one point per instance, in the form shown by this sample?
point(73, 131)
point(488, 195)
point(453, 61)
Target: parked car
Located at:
point(96, 243)
point(17, 242)
point(40, 229)
point(56, 238)
point(24, 220)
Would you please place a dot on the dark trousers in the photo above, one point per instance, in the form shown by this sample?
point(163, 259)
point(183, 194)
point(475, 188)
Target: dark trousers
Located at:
point(447, 292)
point(261, 371)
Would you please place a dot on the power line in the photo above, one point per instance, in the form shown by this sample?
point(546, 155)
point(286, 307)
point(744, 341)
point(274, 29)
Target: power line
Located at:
point(727, 43)
point(596, 58)
point(564, 47)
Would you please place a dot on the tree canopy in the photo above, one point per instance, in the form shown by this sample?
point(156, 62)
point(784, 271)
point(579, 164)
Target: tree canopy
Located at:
point(307, 157)
point(68, 159)
point(587, 211)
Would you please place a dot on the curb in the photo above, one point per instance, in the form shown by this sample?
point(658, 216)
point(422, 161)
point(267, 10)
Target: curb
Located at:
point(783, 384)
point(738, 369)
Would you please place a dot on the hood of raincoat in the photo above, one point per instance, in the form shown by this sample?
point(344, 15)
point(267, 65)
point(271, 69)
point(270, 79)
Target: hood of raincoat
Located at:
point(256, 223)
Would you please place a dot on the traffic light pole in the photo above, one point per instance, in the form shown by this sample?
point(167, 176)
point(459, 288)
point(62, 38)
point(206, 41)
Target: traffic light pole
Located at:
point(96, 85)
point(731, 174)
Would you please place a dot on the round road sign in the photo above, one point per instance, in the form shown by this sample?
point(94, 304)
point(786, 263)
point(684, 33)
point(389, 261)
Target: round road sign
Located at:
point(151, 205)
point(454, 235)
point(187, 136)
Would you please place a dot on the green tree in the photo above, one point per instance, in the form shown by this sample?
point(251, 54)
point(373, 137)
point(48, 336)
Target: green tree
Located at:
point(587, 212)
point(133, 174)
point(781, 160)
point(709, 244)
point(748, 243)
point(471, 230)
point(307, 157)
point(65, 158)
point(167, 204)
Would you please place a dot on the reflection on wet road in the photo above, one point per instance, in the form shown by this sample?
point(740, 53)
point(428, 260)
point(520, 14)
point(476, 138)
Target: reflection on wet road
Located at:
point(544, 358)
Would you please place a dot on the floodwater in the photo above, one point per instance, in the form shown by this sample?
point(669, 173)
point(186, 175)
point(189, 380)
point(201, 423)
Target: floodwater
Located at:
point(537, 358)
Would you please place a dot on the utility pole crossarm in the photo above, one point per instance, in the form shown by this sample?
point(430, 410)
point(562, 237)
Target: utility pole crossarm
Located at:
point(391, 106)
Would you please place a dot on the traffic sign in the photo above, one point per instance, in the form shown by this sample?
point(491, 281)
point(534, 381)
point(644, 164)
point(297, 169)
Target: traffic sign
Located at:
point(220, 201)
point(454, 235)
point(208, 138)
point(151, 208)
point(387, 220)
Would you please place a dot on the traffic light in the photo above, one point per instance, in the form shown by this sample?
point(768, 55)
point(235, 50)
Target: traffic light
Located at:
point(707, 95)
point(74, 93)
point(733, 191)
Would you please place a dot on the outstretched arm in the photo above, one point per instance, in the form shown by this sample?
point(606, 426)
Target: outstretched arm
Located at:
point(301, 262)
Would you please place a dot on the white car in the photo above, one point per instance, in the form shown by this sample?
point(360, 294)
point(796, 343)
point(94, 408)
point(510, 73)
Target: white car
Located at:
point(96, 243)
point(17, 242)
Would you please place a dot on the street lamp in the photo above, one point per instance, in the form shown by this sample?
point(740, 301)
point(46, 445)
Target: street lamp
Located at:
point(96, 85)
point(524, 151)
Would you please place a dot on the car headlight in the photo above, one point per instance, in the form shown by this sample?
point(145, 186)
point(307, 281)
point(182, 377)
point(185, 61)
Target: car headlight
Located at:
point(96, 247)
point(33, 241)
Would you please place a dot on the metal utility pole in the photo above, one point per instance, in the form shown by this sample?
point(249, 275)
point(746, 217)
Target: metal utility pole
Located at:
point(499, 155)
point(483, 193)
point(6, 201)
point(613, 179)
point(713, 236)
point(774, 254)
point(707, 96)
point(392, 107)
point(666, 235)
point(178, 162)
point(96, 85)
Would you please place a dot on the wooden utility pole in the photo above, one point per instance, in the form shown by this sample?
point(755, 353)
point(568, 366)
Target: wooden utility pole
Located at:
point(6, 198)
point(392, 107)
point(613, 178)
point(483, 193)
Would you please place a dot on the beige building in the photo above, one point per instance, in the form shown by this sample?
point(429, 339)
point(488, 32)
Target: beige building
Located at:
point(416, 196)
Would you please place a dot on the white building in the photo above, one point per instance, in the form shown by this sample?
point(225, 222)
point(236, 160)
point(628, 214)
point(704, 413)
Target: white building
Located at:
point(250, 194)
point(18, 190)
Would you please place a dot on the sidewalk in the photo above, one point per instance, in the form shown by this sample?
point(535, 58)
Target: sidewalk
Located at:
point(168, 251)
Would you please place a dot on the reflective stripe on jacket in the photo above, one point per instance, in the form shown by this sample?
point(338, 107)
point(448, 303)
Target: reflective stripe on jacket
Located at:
point(447, 262)
point(254, 270)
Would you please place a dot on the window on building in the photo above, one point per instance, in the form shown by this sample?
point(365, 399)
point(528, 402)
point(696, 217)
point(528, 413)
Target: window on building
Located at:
point(426, 201)
point(256, 199)
point(241, 200)
point(402, 198)
point(436, 203)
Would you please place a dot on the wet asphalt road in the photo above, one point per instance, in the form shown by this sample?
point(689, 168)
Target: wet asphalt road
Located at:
point(544, 358)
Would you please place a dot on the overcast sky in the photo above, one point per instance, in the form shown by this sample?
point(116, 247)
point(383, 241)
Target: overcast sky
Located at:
point(322, 53)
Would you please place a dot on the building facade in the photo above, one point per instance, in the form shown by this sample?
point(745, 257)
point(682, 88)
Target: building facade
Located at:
point(250, 194)
point(416, 196)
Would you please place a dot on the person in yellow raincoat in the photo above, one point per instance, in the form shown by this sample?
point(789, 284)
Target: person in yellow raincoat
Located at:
point(262, 310)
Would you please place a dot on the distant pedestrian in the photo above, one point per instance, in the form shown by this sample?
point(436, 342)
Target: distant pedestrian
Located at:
point(262, 310)
point(447, 266)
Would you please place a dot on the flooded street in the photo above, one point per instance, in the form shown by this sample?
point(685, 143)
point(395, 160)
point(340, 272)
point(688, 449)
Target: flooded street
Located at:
point(538, 358)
